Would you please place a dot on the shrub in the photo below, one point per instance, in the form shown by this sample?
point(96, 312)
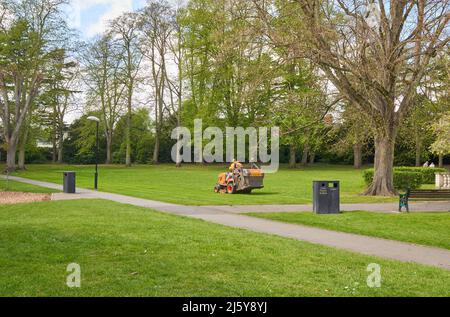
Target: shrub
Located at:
point(408, 180)
point(428, 174)
point(403, 180)
point(368, 176)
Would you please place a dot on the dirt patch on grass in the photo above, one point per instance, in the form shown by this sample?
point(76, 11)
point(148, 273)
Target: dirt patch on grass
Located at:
point(18, 198)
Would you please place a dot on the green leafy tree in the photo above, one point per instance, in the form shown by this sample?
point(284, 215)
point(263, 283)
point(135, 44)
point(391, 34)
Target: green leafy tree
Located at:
point(441, 130)
point(156, 23)
point(298, 106)
point(356, 134)
point(21, 74)
point(104, 76)
point(30, 32)
point(378, 67)
point(126, 27)
point(141, 137)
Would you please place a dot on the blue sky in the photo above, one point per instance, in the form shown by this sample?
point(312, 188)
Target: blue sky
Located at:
point(91, 17)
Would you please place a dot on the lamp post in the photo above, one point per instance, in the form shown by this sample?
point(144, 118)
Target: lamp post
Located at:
point(97, 120)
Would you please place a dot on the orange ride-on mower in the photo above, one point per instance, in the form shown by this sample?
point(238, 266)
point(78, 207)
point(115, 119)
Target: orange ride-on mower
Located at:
point(240, 179)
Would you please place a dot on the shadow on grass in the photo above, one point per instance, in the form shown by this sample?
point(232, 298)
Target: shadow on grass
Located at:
point(260, 194)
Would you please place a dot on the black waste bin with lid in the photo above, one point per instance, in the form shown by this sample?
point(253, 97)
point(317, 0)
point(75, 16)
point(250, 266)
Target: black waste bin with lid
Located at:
point(326, 197)
point(69, 183)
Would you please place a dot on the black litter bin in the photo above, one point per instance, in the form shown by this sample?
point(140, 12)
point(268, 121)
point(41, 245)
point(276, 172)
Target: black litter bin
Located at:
point(326, 197)
point(69, 183)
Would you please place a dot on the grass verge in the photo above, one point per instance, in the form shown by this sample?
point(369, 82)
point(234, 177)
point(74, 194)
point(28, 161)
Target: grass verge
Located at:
point(193, 184)
point(12, 186)
point(432, 229)
point(130, 251)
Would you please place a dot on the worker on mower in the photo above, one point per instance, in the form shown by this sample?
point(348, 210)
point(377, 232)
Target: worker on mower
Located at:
point(236, 166)
point(239, 179)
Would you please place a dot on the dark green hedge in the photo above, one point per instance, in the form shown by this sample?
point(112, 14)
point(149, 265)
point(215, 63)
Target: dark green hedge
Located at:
point(428, 174)
point(403, 180)
point(408, 177)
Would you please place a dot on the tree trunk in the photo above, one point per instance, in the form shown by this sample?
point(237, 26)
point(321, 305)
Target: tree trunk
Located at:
point(128, 154)
point(156, 149)
point(312, 158)
point(180, 87)
point(54, 148)
point(155, 159)
point(441, 161)
point(21, 162)
point(418, 152)
point(159, 116)
point(357, 154)
point(305, 155)
point(108, 150)
point(292, 156)
point(158, 129)
point(60, 147)
point(22, 147)
point(383, 181)
point(11, 156)
point(130, 87)
point(128, 136)
point(179, 160)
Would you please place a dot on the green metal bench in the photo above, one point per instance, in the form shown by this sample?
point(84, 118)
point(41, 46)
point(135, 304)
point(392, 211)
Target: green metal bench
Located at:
point(423, 195)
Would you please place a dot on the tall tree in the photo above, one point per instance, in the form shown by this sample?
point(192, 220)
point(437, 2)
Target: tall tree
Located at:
point(298, 107)
point(21, 74)
point(126, 27)
point(376, 58)
point(355, 134)
point(104, 77)
point(437, 89)
point(59, 93)
point(157, 27)
point(441, 130)
point(177, 48)
point(31, 32)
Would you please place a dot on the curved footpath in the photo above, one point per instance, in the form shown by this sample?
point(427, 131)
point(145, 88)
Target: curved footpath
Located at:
point(229, 216)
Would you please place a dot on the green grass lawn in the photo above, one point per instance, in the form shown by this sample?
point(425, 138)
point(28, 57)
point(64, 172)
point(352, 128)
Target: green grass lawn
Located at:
point(193, 185)
point(130, 251)
point(431, 229)
point(12, 186)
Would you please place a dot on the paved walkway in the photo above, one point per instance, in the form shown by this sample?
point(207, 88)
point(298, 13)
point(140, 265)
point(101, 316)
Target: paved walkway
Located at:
point(389, 249)
point(381, 208)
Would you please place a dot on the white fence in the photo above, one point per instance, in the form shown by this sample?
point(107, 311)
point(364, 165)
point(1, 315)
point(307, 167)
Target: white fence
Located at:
point(442, 180)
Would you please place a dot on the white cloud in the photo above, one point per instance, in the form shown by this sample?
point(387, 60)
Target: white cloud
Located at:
point(113, 9)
